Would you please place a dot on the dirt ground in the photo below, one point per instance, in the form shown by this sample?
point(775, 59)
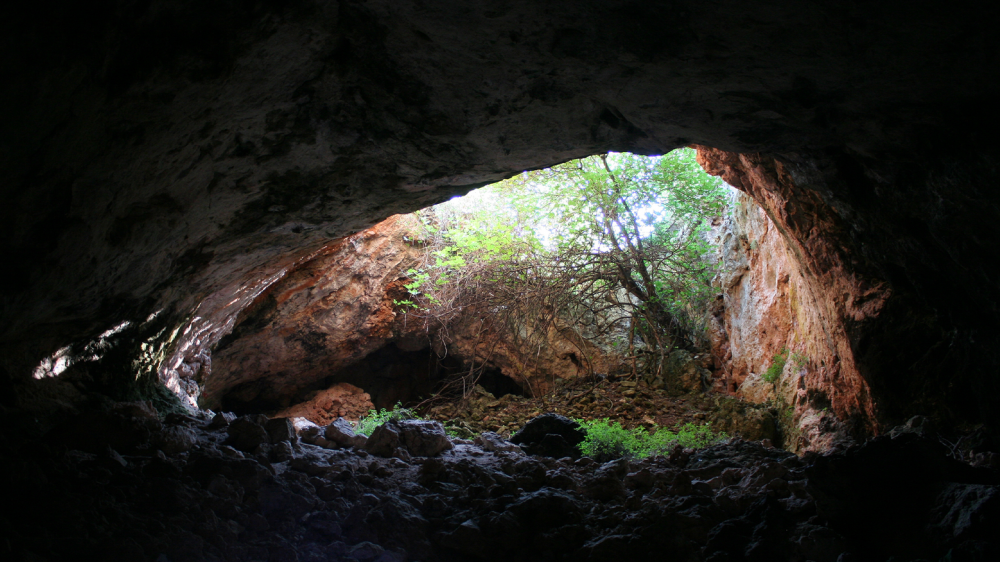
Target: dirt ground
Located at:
point(631, 403)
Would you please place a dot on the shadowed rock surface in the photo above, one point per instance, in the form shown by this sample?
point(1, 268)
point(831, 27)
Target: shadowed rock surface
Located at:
point(184, 149)
point(334, 318)
point(551, 435)
point(901, 497)
point(165, 163)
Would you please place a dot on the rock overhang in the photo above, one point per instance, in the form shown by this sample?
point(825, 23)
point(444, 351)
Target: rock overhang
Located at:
point(165, 160)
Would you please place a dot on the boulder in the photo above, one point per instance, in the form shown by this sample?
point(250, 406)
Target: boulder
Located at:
point(176, 440)
point(309, 432)
point(419, 438)
point(492, 442)
point(753, 422)
point(683, 373)
point(342, 433)
point(550, 435)
point(246, 433)
point(279, 429)
point(221, 420)
point(282, 451)
point(384, 440)
point(424, 438)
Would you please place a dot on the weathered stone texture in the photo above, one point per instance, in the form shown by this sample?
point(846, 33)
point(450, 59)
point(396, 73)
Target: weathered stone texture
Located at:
point(789, 294)
point(324, 320)
point(155, 155)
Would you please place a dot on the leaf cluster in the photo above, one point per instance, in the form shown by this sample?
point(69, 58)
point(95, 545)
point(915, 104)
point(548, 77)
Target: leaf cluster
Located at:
point(375, 418)
point(778, 361)
point(612, 245)
point(632, 225)
point(607, 440)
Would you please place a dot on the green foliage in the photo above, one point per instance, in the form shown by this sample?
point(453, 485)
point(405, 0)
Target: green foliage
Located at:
point(638, 224)
point(773, 373)
point(614, 228)
point(607, 440)
point(375, 418)
point(788, 414)
point(778, 362)
point(800, 360)
point(404, 304)
point(460, 242)
point(461, 431)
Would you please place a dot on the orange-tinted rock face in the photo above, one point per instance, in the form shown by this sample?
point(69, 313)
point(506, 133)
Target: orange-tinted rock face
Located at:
point(332, 319)
point(321, 317)
point(342, 400)
point(785, 286)
point(556, 352)
point(143, 172)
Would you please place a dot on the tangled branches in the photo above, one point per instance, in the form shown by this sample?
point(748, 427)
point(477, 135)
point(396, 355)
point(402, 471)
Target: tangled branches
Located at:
point(608, 250)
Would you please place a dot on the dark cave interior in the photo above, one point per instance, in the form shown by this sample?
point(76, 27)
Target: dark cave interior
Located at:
point(390, 375)
point(156, 156)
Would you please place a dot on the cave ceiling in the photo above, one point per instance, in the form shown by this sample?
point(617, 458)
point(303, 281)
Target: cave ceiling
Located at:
point(152, 154)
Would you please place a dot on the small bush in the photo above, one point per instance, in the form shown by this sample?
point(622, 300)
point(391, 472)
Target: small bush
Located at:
point(607, 440)
point(773, 373)
point(459, 430)
point(801, 360)
point(375, 418)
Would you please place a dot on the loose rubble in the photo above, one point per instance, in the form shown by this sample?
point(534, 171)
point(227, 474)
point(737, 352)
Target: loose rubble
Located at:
point(632, 403)
point(121, 485)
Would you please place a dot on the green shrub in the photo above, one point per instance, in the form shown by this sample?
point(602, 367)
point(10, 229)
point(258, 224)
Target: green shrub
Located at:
point(773, 373)
point(801, 360)
point(691, 436)
point(375, 418)
point(459, 430)
point(607, 440)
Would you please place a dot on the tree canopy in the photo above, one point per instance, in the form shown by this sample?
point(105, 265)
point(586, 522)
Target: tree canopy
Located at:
point(616, 244)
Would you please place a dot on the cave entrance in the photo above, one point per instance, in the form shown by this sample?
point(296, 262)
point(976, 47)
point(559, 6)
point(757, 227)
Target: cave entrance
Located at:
point(394, 374)
point(556, 275)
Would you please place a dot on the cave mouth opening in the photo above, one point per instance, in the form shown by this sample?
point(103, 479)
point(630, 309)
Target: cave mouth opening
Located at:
point(393, 374)
point(409, 370)
point(396, 374)
point(523, 276)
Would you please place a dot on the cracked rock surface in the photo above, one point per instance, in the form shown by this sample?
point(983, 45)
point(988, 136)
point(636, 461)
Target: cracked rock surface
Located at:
point(122, 496)
point(187, 151)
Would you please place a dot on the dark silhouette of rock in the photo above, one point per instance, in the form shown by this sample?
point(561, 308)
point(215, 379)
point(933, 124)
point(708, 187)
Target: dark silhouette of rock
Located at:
point(901, 497)
point(279, 429)
point(342, 433)
point(418, 438)
point(221, 420)
point(490, 441)
point(246, 433)
point(550, 435)
point(384, 440)
point(175, 440)
point(423, 438)
point(148, 199)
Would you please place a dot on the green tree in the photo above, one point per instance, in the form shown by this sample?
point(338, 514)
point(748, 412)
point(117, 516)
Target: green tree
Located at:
point(620, 221)
point(606, 239)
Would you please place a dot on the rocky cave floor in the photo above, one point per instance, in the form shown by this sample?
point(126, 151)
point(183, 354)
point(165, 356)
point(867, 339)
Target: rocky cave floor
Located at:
point(120, 483)
point(631, 403)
